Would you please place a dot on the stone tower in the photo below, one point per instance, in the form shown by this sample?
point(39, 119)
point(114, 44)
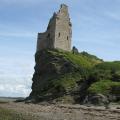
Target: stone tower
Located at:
point(58, 33)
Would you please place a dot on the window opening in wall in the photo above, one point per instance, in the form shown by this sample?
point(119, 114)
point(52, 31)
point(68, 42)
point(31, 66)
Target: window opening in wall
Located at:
point(67, 37)
point(59, 34)
point(48, 36)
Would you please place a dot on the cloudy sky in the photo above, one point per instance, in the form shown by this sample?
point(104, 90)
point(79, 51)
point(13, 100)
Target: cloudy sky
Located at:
point(96, 29)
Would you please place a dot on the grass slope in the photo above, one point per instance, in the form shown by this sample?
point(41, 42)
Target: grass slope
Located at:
point(104, 87)
point(106, 78)
point(109, 66)
point(83, 60)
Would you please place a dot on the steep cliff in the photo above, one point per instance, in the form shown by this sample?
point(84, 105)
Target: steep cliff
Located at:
point(58, 74)
point(65, 77)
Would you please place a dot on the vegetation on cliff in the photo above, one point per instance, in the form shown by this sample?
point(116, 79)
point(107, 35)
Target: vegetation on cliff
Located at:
point(104, 87)
point(64, 76)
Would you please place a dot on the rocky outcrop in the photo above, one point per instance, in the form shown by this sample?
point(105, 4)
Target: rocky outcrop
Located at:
point(54, 76)
point(96, 99)
point(66, 77)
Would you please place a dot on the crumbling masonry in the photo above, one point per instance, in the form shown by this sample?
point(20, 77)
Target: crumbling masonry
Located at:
point(58, 33)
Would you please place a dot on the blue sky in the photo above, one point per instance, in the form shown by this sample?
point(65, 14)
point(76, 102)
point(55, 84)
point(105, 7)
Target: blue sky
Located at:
point(96, 29)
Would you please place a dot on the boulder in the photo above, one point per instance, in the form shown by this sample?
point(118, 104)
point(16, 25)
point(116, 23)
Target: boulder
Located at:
point(97, 99)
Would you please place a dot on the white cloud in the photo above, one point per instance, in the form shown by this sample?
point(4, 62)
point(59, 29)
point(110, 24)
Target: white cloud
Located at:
point(15, 87)
point(16, 77)
point(14, 90)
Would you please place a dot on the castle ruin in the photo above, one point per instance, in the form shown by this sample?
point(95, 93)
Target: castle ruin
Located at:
point(58, 33)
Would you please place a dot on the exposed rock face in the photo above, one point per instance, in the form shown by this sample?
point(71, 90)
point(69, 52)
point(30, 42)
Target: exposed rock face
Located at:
point(51, 73)
point(62, 76)
point(97, 99)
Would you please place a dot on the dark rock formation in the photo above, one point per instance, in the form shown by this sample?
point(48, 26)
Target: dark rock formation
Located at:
point(96, 99)
point(51, 73)
point(65, 77)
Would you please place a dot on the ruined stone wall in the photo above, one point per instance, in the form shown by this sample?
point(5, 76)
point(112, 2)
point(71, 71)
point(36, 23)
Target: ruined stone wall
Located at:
point(63, 32)
point(41, 41)
point(58, 33)
point(46, 39)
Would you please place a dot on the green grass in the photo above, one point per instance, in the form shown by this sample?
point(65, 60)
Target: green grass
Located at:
point(93, 57)
point(103, 87)
point(109, 66)
point(78, 59)
point(67, 82)
point(6, 114)
point(63, 84)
